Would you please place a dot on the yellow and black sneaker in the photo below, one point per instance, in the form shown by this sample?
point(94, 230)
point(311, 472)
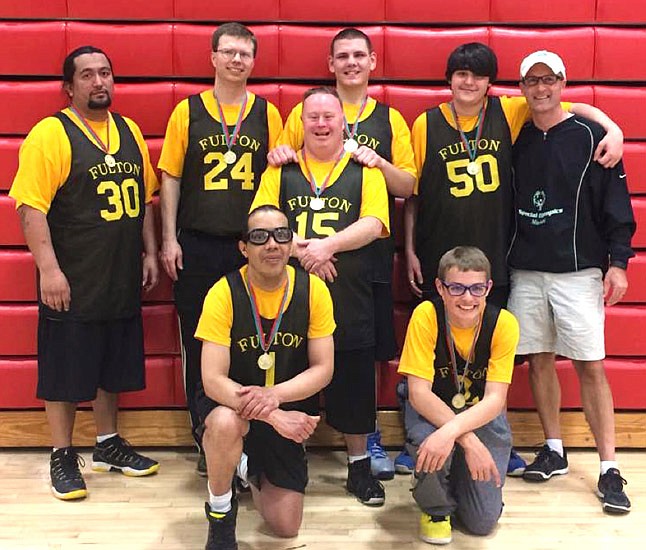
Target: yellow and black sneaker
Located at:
point(67, 481)
point(222, 528)
point(117, 454)
point(435, 529)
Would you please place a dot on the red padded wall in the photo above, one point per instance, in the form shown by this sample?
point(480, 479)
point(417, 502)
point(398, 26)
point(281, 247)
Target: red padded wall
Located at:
point(625, 106)
point(148, 104)
point(431, 46)
point(17, 276)
point(639, 209)
point(540, 11)
point(635, 165)
point(226, 10)
point(611, 61)
point(574, 45)
point(437, 11)
point(10, 230)
point(621, 11)
point(8, 160)
point(412, 101)
point(636, 276)
point(33, 9)
point(23, 104)
point(22, 48)
point(121, 9)
point(331, 10)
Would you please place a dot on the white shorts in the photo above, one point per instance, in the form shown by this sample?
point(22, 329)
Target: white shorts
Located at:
point(560, 313)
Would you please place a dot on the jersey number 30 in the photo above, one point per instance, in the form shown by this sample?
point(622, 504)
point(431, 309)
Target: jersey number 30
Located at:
point(122, 199)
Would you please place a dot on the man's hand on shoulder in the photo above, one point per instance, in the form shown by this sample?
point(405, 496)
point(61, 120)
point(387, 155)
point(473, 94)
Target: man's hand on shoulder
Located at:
point(368, 157)
point(283, 154)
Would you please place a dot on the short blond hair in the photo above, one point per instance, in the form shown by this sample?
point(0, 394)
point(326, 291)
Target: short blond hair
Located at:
point(464, 258)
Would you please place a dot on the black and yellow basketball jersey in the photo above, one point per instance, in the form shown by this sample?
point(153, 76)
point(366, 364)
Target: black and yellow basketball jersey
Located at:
point(457, 208)
point(474, 384)
point(289, 347)
point(352, 290)
point(215, 196)
point(96, 222)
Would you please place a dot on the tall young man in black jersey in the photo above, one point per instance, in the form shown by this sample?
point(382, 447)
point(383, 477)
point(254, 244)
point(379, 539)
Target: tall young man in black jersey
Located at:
point(83, 190)
point(214, 152)
point(571, 247)
point(267, 351)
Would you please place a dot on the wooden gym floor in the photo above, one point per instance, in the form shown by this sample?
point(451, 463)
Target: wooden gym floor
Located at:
point(167, 510)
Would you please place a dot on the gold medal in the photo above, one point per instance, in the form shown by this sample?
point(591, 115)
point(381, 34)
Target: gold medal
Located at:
point(473, 168)
point(265, 361)
point(109, 160)
point(350, 145)
point(458, 401)
point(316, 203)
point(230, 157)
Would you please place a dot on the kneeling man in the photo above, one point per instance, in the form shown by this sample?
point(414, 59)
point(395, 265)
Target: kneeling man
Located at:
point(267, 351)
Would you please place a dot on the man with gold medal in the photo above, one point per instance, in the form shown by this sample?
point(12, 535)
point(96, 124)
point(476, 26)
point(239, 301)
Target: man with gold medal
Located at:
point(337, 207)
point(267, 350)
point(214, 153)
point(458, 358)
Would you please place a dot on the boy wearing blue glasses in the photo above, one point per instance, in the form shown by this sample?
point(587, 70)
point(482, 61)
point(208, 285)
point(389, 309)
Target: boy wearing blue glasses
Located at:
point(459, 357)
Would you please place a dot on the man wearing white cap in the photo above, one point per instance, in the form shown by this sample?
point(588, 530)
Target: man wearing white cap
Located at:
point(574, 223)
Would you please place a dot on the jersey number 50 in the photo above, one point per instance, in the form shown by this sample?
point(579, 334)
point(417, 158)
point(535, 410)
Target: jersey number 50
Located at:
point(486, 180)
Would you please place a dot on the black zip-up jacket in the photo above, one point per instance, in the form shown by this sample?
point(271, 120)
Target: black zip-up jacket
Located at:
point(570, 212)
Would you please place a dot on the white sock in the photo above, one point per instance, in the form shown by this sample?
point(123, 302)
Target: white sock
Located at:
point(555, 445)
point(356, 458)
point(607, 464)
point(102, 438)
point(220, 503)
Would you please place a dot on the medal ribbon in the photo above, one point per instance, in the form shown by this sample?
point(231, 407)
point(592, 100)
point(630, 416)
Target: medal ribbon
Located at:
point(265, 345)
point(105, 148)
point(459, 382)
point(355, 125)
point(472, 152)
point(230, 139)
point(316, 189)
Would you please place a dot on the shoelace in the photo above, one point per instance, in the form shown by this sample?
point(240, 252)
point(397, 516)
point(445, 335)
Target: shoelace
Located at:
point(375, 449)
point(70, 460)
point(615, 481)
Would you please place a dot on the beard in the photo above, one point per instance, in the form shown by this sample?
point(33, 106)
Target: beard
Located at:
point(100, 103)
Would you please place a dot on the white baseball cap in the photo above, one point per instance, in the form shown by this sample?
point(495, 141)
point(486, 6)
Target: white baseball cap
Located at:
point(553, 61)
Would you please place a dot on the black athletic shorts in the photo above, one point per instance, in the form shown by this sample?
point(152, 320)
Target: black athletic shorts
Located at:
point(350, 400)
point(385, 342)
point(75, 358)
point(281, 460)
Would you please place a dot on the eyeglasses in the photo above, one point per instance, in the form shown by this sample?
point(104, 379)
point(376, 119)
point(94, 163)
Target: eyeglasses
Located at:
point(457, 289)
point(230, 54)
point(259, 236)
point(548, 80)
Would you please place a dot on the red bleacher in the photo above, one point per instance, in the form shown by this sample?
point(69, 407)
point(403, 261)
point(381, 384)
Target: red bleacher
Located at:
point(162, 51)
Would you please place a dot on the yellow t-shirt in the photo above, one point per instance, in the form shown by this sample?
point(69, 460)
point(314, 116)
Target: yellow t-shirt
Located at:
point(515, 109)
point(173, 150)
point(45, 159)
point(418, 355)
point(217, 314)
point(374, 197)
point(401, 148)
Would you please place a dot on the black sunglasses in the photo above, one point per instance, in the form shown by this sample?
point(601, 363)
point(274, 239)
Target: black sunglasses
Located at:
point(259, 236)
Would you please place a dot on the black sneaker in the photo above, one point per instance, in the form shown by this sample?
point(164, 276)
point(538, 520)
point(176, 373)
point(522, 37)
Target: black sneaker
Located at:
point(547, 463)
point(67, 481)
point(610, 490)
point(201, 465)
point(117, 454)
point(363, 485)
point(222, 528)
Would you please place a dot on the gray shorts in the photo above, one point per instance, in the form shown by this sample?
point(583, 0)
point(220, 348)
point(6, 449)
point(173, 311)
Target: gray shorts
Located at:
point(560, 313)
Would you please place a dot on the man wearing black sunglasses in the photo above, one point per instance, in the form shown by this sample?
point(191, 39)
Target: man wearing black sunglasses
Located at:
point(267, 350)
point(571, 247)
point(458, 358)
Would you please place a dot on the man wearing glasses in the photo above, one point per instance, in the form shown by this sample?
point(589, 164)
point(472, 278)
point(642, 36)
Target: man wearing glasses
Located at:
point(574, 224)
point(338, 207)
point(267, 351)
point(458, 358)
point(214, 152)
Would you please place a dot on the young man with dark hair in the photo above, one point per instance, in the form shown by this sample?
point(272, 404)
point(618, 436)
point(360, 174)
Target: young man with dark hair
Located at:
point(571, 247)
point(83, 191)
point(214, 152)
point(338, 207)
point(459, 358)
point(377, 136)
point(267, 352)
